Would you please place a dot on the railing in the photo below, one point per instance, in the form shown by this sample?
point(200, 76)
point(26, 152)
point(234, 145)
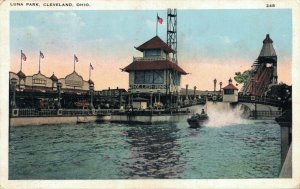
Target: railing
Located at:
point(152, 58)
point(261, 100)
point(72, 112)
point(270, 114)
point(64, 112)
point(34, 112)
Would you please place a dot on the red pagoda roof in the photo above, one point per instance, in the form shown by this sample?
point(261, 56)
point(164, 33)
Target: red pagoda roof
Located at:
point(153, 65)
point(230, 86)
point(155, 43)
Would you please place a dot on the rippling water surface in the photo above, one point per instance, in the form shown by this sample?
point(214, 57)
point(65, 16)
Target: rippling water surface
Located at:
point(121, 151)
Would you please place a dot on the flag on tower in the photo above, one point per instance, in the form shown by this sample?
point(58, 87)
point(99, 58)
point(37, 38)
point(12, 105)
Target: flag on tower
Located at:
point(91, 66)
point(75, 58)
point(159, 19)
point(23, 56)
point(41, 54)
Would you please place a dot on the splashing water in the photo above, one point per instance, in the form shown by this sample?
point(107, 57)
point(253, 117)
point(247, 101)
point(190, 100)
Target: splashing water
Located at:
point(222, 114)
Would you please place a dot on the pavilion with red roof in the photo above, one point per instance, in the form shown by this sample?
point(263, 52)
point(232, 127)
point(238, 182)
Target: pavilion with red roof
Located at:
point(155, 71)
point(230, 92)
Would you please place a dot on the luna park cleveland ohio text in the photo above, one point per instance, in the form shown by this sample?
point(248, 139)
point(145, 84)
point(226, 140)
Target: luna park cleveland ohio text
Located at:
point(29, 4)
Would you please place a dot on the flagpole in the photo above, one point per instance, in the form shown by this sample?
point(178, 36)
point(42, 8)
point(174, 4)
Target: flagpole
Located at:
point(90, 72)
point(156, 22)
point(74, 62)
point(40, 62)
point(21, 60)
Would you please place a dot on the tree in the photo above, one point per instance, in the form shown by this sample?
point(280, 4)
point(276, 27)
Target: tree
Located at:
point(242, 77)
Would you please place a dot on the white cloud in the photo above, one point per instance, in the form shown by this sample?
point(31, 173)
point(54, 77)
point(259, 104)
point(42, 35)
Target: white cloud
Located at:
point(225, 39)
point(68, 18)
point(58, 14)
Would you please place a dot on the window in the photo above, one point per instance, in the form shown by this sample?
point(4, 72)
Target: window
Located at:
point(149, 77)
point(139, 77)
point(158, 77)
point(228, 91)
point(152, 52)
point(39, 81)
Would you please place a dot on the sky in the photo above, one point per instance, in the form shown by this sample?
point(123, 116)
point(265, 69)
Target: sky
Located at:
point(211, 43)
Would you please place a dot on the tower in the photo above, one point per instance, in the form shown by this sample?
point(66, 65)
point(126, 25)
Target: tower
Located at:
point(172, 32)
point(268, 56)
point(264, 70)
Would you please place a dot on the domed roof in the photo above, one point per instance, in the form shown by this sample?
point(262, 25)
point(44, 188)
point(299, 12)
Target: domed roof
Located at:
point(53, 77)
point(90, 81)
point(21, 75)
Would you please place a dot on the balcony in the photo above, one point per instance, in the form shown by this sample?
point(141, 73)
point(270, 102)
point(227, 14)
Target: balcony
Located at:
point(153, 59)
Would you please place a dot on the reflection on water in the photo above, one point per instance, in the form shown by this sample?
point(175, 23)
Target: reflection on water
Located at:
point(122, 151)
point(154, 151)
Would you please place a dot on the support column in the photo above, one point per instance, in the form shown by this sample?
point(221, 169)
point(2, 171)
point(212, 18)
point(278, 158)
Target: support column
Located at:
point(15, 110)
point(59, 110)
point(91, 87)
point(150, 105)
point(195, 92)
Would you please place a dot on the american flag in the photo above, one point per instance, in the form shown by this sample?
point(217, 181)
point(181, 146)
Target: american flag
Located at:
point(75, 58)
point(159, 19)
point(23, 56)
point(41, 54)
point(91, 66)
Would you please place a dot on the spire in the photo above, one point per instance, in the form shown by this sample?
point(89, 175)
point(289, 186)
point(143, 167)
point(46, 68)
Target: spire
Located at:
point(268, 39)
point(268, 50)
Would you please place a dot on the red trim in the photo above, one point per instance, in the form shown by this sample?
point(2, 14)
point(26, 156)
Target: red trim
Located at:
point(154, 65)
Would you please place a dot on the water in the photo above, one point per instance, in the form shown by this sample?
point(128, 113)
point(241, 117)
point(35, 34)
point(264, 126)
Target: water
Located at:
point(243, 149)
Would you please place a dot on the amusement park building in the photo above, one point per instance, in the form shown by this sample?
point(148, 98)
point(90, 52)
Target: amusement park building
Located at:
point(155, 70)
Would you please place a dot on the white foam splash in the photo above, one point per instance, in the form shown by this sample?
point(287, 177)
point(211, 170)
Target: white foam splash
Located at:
point(222, 114)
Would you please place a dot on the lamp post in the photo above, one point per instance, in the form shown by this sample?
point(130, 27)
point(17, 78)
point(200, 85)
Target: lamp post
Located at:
point(215, 84)
point(59, 85)
point(91, 87)
point(129, 95)
point(158, 91)
point(150, 105)
point(221, 83)
point(186, 91)
point(195, 92)
point(14, 83)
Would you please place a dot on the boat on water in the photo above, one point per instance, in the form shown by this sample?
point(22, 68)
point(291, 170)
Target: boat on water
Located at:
point(197, 120)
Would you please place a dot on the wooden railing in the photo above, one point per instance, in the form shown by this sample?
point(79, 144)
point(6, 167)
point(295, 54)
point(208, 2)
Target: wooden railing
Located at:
point(265, 114)
point(260, 100)
point(152, 58)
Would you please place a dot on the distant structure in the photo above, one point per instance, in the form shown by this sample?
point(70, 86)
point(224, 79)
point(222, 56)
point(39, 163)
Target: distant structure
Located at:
point(155, 73)
point(230, 92)
point(264, 70)
point(40, 82)
point(172, 32)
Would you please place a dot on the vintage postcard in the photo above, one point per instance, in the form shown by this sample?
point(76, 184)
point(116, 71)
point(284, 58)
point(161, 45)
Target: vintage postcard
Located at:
point(149, 94)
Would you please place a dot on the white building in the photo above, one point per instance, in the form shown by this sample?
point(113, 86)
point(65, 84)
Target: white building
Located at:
point(230, 92)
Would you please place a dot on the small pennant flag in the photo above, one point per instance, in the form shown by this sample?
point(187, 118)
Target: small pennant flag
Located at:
point(159, 19)
point(75, 58)
point(23, 56)
point(91, 66)
point(41, 54)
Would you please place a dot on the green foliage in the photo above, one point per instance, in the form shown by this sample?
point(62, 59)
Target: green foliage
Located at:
point(242, 77)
